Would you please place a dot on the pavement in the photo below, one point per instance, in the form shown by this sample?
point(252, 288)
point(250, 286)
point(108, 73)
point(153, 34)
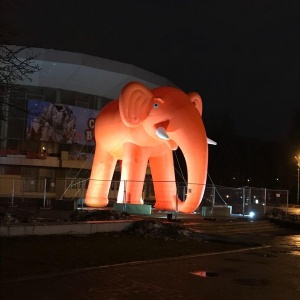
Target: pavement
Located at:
point(268, 271)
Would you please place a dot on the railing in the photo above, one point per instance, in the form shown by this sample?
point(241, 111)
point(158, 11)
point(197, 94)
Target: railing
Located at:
point(245, 199)
point(242, 200)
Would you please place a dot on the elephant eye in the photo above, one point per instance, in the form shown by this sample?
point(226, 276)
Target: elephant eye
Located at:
point(155, 105)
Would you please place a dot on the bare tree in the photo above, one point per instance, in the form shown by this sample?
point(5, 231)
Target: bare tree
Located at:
point(14, 70)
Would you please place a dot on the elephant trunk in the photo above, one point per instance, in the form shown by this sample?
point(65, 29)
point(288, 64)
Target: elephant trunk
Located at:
point(192, 140)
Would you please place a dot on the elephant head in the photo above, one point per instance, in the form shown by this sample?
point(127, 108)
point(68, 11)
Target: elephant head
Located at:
point(169, 117)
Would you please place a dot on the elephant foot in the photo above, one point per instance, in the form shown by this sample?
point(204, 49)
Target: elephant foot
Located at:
point(96, 202)
point(165, 206)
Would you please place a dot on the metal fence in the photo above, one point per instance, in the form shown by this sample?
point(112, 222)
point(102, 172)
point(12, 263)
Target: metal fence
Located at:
point(240, 200)
point(245, 199)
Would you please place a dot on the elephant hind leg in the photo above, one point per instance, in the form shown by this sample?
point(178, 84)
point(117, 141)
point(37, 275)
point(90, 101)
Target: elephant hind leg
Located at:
point(102, 171)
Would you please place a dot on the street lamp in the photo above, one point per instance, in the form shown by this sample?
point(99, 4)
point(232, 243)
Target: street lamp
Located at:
point(298, 164)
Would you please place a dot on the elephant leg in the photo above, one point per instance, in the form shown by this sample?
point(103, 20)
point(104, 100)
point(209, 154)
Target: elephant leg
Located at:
point(163, 176)
point(134, 166)
point(100, 180)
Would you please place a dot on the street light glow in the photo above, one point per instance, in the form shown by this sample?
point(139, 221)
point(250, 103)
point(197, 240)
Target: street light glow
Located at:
point(298, 164)
point(298, 160)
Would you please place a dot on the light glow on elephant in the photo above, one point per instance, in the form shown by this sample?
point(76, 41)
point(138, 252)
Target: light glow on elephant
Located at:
point(146, 126)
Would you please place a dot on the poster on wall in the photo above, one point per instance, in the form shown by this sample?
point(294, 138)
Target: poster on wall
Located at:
point(60, 123)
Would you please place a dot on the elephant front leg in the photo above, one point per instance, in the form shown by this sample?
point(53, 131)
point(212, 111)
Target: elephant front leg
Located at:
point(163, 176)
point(134, 166)
point(102, 171)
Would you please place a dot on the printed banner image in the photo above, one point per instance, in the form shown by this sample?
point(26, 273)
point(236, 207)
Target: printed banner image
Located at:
point(60, 123)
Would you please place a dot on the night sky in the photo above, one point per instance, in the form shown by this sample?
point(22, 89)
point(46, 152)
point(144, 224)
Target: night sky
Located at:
point(242, 57)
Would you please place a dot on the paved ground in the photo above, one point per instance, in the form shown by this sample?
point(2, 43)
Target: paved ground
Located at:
point(271, 271)
point(262, 273)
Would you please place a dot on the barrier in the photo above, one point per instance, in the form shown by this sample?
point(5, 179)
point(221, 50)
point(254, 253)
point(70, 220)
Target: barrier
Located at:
point(17, 190)
point(216, 211)
point(143, 209)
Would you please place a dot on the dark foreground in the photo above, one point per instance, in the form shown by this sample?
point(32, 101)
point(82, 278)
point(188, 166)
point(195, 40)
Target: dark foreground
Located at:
point(41, 255)
point(96, 267)
point(121, 265)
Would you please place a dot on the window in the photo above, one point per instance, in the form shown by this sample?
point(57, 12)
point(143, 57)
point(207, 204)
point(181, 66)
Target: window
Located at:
point(67, 97)
point(50, 95)
point(35, 90)
point(16, 129)
point(10, 170)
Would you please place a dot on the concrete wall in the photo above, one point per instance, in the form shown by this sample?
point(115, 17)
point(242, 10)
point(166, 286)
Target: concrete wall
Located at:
point(64, 228)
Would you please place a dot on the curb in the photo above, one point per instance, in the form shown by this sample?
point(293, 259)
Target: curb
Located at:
point(64, 228)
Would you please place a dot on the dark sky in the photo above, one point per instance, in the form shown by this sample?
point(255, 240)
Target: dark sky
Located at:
point(241, 56)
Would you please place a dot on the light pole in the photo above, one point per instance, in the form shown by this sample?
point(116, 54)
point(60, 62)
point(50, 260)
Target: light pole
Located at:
point(298, 164)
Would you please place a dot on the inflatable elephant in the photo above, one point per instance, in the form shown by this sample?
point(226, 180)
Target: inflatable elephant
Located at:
point(147, 125)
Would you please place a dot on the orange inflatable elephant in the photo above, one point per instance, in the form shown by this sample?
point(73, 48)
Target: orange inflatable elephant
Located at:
point(146, 125)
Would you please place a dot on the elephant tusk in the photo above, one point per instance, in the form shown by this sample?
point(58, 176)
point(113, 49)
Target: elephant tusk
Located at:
point(161, 133)
point(211, 142)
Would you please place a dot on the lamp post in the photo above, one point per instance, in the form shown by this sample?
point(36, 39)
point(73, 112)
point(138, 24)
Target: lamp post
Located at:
point(298, 164)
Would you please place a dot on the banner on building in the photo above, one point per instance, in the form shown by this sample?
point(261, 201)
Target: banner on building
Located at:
point(60, 123)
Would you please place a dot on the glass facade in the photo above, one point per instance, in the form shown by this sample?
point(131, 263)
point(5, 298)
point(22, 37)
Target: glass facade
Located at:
point(15, 128)
point(14, 133)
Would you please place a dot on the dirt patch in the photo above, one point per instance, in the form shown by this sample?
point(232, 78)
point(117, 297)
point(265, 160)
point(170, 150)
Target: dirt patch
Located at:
point(36, 217)
point(166, 231)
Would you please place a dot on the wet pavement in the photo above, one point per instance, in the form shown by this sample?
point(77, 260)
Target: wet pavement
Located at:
point(268, 272)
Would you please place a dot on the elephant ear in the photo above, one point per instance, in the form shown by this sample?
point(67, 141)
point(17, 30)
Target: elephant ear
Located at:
point(196, 100)
point(135, 104)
